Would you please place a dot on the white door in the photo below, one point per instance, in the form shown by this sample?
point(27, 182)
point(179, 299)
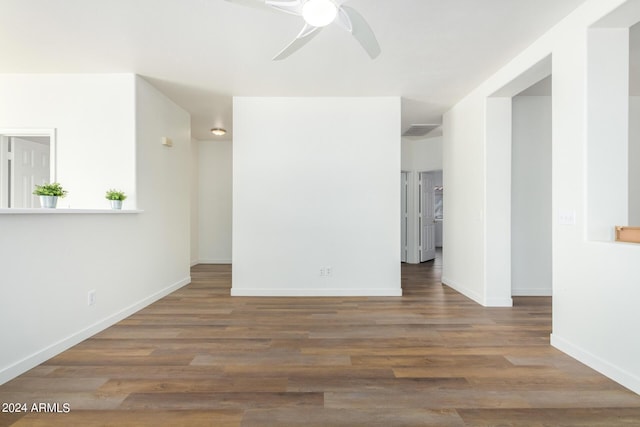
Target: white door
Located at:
point(29, 166)
point(426, 217)
point(404, 214)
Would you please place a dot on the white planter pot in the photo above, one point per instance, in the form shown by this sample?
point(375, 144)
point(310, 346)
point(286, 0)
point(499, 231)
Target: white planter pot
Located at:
point(49, 202)
point(116, 204)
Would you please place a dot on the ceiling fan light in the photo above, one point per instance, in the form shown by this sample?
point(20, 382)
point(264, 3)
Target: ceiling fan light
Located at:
point(319, 13)
point(218, 131)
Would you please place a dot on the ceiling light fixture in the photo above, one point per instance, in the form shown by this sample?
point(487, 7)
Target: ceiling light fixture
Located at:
point(218, 131)
point(319, 13)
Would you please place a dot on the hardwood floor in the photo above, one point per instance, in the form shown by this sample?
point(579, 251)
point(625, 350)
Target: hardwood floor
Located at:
point(431, 358)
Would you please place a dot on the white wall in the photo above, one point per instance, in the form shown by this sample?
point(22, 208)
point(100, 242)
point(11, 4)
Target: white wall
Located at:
point(427, 154)
point(531, 196)
point(102, 128)
point(306, 196)
point(595, 284)
point(422, 154)
point(634, 161)
point(215, 202)
point(51, 261)
point(463, 254)
point(194, 188)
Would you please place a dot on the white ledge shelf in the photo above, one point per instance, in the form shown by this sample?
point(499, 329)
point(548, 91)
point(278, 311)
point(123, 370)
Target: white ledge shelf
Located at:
point(63, 211)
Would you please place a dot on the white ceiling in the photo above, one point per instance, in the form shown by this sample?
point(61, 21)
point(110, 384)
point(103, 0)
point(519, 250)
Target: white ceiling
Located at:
point(200, 53)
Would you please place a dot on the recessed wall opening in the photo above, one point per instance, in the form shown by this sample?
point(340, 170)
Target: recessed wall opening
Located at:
point(613, 142)
point(518, 186)
point(531, 212)
point(26, 159)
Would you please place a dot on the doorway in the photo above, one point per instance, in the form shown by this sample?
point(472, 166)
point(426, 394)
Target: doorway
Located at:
point(430, 214)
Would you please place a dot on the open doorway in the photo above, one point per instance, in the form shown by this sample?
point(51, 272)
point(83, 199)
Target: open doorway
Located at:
point(430, 214)
point(422, 199)
point(509, 227)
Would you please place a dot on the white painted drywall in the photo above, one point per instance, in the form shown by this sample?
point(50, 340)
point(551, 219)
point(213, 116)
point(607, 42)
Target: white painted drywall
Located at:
point(194, 194)
point(595, 284)
point(427, 154)
point(215, 201)
point(498, 135)
point(531, 196)
point(51, 262)
point(316, 184)
point(463, 253)
point(101, 129)
point(634, 161)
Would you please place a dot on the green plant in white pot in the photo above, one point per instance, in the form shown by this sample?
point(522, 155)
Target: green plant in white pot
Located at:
point(115, 197)
point(49, 194)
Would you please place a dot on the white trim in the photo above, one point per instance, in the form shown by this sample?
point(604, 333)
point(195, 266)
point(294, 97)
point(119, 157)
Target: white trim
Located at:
point(324, 292)
point(213, 261)
point(617, 374)
point(29, 362)
point(461, 289)
point(498, 302)
point(480, 299)
point(532, 292)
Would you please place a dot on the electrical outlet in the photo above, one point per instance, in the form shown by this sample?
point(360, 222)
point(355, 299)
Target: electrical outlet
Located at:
point(322, 272)
point(328, 271)
point(567, 217)
point(91, 297)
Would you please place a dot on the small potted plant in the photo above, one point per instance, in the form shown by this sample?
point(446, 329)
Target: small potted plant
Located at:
point(115, 197)
point(49, 194)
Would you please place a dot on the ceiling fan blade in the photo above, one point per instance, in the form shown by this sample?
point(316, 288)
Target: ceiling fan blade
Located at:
point(360, 30)
point(308, 32)
point(293, 7)
point(343, 20)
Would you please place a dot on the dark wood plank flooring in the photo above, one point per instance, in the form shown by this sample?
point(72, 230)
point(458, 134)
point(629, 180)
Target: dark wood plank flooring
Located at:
point(431, 358)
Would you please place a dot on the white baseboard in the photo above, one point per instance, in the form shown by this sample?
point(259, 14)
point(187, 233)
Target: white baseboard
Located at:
point(194, 262)
point(532, 292)
point(480, 299)
point(214, 261)
point(617, 374)
point(463, 290)
point(325, 292)
point(498, 302)
point(29, 362)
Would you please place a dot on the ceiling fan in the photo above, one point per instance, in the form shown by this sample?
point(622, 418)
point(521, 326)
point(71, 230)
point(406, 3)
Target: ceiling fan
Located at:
point(317, 14)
